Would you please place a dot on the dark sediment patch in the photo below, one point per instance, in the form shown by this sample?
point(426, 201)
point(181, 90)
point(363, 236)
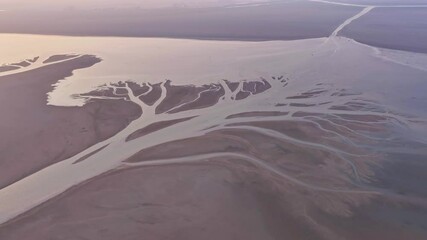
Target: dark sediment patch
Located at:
point(242, 95)
point(120, 91)
point(356, 106)
point(249, 87)
point(345, 92)
point(104, 92)
point(363, 117)
point(306, 114)
point(298, 97)
point(22, 64)
point(308, 94)
point(232, 85)
point(56, 58)
point(177, 95)
point(18, 65)
point(8, 68)
point(153, 95)
point(33, 60)
point(257, 114)
point(154, 127)
point(137, 89)
point(301, 105)
point(206, 99)
point(262, 87)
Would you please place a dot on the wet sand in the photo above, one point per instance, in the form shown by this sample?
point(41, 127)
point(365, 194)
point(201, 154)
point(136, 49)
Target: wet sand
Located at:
point(8, 68)
point(35, 135)
point(206, 201)
point(154, 127)
point(251, 160)
point(310, 178)
point(222, 198)
point(56, 58)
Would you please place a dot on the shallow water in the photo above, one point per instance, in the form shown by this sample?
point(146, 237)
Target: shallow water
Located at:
point(154, 60)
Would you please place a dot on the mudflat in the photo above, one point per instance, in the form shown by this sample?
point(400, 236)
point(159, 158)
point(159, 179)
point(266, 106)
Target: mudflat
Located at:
point(36, 135)
point(123, 138)
point(395, 28)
